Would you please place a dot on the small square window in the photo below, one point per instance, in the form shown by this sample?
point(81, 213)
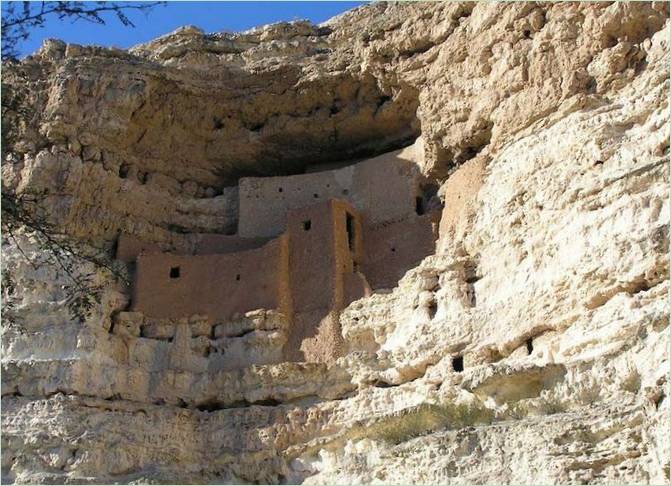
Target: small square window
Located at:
point(307, 225)
point(237, 277)
point(174, 272)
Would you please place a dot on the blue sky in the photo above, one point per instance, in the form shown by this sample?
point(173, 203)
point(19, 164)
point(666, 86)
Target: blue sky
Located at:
point(209, 16)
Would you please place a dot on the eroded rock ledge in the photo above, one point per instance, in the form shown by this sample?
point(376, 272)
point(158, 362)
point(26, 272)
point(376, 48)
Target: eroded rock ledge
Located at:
point(532, 347)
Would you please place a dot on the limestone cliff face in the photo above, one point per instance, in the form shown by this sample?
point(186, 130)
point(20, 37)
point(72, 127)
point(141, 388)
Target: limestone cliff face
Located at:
point(533, 347)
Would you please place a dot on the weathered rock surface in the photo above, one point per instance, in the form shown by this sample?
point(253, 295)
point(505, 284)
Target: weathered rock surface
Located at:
point(533, 347)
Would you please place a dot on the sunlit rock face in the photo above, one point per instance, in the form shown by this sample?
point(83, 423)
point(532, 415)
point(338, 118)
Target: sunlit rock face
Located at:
point(531, 348)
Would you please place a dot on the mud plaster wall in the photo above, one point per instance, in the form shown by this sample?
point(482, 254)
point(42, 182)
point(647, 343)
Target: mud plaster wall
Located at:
point(130, 247)
point(207, 244)
point(218, 286)
point(318, 259)
point(393, 249)
point(382, 189)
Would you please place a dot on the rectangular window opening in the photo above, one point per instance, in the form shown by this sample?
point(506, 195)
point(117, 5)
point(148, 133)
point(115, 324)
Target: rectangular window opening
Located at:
point(174, 272)
point(307, 225)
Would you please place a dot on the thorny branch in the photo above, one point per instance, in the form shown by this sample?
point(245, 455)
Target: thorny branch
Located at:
point(21, 212)
point(20, 18)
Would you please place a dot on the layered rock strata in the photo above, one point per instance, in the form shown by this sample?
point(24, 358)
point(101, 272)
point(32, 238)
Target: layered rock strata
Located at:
point(533, 347)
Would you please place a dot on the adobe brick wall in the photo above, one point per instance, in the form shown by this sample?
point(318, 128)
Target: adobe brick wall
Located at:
point(312, 257)
point(356, 286)
point(277, 262)
point(385, 188)
point(320, 258)
point(382, 189)
point(309, 273)
point(208, 244)
point(129, 247)
point(218, 286)
point(393, 249)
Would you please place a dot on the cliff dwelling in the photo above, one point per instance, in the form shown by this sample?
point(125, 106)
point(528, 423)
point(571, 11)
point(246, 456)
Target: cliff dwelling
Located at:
point(306, 246)
point(416, 243)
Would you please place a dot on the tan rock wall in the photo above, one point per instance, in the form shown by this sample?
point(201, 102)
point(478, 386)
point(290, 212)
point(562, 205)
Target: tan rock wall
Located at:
point(565, 243)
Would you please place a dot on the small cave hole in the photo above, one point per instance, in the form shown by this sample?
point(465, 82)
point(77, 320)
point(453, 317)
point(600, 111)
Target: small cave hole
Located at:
point(468, 153)
point(123, 171)
point(307, 225)
point(470, 295)
point(345, 192)
point(267, 402)
point(383, 384)
point(433, 309)
point(114, 247)
point(527, 34)
point(393, 250)
point(471, 274)
point(174, 272)
point(658, 400)
point(383, 99)
point(530, 345)
point(458, 364)
point(315, 195)
point(591, 85)
point(237, 277)
point(279, 189)
point(465, 15)
point(211, 406)
point(598, 162)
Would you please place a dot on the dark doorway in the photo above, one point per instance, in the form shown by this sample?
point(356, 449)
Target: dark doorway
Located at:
point(174, 272)
point(349, 224)
point(419, 206)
